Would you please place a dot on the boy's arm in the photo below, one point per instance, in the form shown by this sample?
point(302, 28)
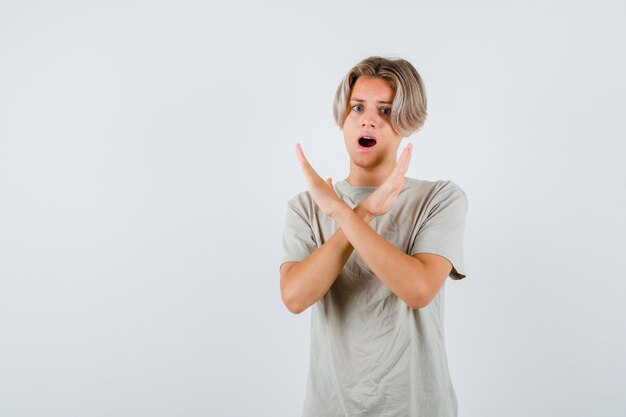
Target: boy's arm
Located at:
point(303, 283)
point(415, 279)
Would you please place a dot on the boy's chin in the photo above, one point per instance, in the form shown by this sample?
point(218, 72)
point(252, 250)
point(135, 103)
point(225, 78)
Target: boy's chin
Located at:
point(365, 161)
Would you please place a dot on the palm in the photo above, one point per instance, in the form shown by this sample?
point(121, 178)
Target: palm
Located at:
point(386, 195)
point(321, 191)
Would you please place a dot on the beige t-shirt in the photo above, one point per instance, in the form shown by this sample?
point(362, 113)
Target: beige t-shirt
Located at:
point(372, 355)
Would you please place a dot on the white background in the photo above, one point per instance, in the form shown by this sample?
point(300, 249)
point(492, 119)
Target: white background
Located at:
point(146, 158)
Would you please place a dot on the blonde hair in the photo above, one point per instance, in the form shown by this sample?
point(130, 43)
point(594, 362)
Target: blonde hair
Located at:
point(408, 110)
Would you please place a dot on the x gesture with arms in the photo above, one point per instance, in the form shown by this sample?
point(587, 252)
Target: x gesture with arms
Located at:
point(414, 279)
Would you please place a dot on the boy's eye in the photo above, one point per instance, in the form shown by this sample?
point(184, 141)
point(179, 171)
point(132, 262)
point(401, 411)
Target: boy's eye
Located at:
point(357, 107)
point(385, 111)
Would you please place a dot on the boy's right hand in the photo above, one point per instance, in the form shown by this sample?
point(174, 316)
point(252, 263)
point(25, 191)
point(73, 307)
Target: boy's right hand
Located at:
point(386, 195)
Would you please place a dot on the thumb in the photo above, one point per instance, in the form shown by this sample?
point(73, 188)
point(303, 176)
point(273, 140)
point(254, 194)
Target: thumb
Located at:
point(329, 181)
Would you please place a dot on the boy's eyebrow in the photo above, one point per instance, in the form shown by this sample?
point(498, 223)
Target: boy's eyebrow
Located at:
point(360, 100)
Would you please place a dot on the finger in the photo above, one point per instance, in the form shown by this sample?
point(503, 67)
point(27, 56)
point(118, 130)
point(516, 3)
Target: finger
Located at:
point(300, 154)
point(400, 162)
point(399, 169)
point(329, 181)
point(406, 159)
point(304, 163)
point(397, 176)
point(307, 169)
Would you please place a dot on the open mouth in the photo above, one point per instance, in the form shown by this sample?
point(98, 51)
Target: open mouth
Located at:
point(367, 142)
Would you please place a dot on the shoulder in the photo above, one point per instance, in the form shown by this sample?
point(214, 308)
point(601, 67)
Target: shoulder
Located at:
point(434, 190)
point(302, 203)
point(300, 198)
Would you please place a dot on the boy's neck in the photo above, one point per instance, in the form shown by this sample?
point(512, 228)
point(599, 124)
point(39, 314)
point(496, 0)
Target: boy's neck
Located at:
point(364, 177)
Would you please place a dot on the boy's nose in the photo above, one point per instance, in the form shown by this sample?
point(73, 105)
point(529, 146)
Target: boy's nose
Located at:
point(368, 120)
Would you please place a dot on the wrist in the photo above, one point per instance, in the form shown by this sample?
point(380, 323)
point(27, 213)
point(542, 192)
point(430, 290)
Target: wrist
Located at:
point(339, 209)
point(363, 213)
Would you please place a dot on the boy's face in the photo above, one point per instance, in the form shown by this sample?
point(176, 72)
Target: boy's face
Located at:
point(370, 139)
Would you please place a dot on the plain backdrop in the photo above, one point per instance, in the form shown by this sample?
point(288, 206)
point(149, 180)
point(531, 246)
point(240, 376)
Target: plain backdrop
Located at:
point(147, 157)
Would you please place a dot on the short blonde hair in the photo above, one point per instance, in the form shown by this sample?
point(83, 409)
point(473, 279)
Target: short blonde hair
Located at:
point(408, 110)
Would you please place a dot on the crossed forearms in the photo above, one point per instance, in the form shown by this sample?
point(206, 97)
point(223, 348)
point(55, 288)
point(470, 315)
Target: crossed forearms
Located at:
point(403, 274)
point(303, 283)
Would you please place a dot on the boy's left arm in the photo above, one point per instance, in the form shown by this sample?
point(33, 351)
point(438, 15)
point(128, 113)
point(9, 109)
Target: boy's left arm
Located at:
point(415, 279)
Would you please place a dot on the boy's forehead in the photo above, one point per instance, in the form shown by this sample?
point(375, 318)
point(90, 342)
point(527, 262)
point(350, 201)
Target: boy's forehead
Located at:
point(372, 88)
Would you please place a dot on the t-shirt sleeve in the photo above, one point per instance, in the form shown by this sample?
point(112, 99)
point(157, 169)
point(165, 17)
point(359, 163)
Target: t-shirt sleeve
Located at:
point(298, 237)
point(441, 232)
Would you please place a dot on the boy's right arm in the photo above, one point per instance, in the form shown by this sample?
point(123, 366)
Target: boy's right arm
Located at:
point(303, 283)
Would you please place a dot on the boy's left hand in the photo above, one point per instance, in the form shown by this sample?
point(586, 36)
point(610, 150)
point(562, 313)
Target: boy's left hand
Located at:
point(323, 192)
point(386, 195)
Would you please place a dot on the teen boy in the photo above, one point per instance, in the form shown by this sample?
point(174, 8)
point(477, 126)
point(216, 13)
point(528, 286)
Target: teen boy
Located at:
point(371, 255)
